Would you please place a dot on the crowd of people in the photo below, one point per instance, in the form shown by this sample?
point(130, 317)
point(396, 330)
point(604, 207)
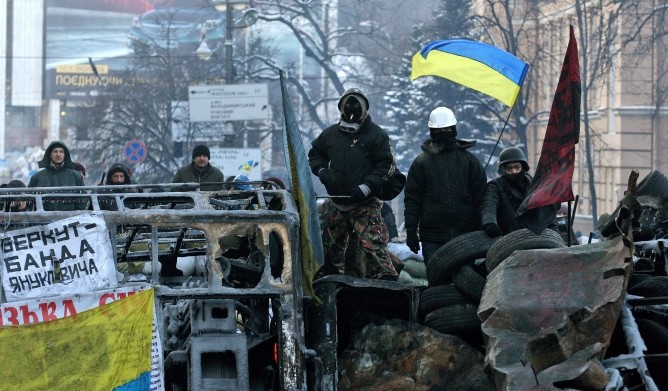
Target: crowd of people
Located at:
point(446, 192)
point(59, 170)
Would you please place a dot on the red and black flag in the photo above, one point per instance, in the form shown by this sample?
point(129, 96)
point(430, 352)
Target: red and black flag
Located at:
point(554, 175)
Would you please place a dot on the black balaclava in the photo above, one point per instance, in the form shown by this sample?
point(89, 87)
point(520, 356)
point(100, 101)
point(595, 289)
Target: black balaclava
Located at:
point(516, 179)
point(353, 109)
point(445, 136)
point(353, 113)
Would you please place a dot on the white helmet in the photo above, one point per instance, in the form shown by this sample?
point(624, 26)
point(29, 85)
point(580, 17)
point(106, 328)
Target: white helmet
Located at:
point(441, 117)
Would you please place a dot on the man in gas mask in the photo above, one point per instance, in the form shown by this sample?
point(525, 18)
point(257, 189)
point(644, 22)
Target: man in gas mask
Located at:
point(353, 159)
point(504, 195)
point(443, 189)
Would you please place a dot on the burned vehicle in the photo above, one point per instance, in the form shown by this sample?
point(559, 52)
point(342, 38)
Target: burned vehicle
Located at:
point(224, 268)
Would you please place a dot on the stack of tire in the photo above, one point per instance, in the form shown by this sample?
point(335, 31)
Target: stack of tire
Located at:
point(652, 324)
point(457, 273)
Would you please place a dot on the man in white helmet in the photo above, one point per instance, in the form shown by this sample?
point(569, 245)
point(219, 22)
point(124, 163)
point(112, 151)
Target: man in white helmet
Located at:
point(353, 159)
point(444, 187)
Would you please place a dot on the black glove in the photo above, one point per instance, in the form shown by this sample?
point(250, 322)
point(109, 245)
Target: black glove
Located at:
point(325, 176)
point(412, 241)
point(357, 195)
point(492, 230)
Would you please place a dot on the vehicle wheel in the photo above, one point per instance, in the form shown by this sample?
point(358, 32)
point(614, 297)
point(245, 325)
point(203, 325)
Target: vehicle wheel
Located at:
point(470, 283)
point(440, 296)
point(456, 253)
point(651, 287)
point(655, 336)
point(522, 239)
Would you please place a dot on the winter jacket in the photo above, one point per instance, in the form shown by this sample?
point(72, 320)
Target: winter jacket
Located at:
point(364, 157)
point(189, 174)
point(443, 191)
point(58, 176)
point(500, 202)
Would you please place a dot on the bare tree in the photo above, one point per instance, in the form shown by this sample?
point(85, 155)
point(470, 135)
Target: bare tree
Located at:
point(147, 106)
point(344, 43)
point(606, 28)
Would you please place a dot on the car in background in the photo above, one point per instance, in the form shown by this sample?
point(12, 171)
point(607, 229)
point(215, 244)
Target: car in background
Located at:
point(178, 27)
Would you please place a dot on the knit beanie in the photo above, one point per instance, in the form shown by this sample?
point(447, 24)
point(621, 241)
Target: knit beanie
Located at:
point(201, 150)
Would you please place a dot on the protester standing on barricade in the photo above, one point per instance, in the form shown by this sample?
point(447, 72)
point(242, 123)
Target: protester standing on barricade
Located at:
point(353, 159)
point(201, 171)
point(444, 187)
point(504, 195)
point(58, 171)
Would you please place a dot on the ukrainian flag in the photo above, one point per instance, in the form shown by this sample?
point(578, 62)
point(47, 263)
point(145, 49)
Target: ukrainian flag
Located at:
point(312, 252)
point(105, 348)
point(475, 65)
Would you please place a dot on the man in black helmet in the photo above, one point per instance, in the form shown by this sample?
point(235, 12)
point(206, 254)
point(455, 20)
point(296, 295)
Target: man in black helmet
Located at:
point(353, 159)
point(443, 188)
point(504, 195)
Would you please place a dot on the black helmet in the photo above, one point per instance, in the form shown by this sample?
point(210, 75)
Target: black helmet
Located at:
point(512, 154)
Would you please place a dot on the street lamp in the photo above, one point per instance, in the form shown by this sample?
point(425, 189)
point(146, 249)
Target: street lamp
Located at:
point(228, 6)
point(249, 18)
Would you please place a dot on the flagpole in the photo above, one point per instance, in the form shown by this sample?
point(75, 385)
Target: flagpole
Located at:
point(499, 138)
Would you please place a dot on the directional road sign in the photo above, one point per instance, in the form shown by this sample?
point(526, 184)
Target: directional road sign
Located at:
point(229, 102)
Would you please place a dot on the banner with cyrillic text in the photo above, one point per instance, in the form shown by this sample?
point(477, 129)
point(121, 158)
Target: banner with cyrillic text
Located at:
point(73, 255)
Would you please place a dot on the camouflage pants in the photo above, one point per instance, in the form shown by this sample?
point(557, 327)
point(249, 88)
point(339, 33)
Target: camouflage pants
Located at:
point(363, 227)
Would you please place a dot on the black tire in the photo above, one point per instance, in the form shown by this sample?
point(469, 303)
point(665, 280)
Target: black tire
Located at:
point(522, 239)
point(636, 278)
point(440, 296)
point(459, 319)
point(456, 253)
point(655, 336)
point(651, 287)
point(655, 183)
point(470, 283)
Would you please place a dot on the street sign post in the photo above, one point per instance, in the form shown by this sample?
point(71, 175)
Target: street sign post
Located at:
point(228, 102)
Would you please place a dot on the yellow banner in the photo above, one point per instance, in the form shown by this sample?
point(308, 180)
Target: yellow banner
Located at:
point(104, 348)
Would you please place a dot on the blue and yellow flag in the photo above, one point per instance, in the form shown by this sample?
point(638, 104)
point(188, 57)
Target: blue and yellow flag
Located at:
point(312, 253)
point(105, 348)
point(475, 65)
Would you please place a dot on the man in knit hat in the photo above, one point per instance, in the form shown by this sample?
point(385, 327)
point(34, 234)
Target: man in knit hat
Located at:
point(58, 170)
point(200, 171)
